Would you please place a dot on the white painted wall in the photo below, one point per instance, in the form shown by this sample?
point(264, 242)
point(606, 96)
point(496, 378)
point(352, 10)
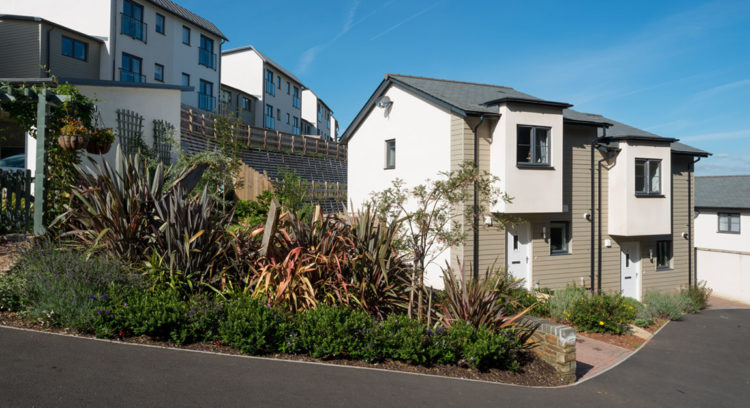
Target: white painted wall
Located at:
point(310, 107)
point(534, 190)
point(728, 274)
point(635, 216)
point(244, 71)
point(707, 233)
point(422, 134)
point(153, 104)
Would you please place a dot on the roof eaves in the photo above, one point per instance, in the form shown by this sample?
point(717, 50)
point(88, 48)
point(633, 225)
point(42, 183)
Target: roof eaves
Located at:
point(363, 112)
point(587, 122)
point(507, 99)
point(658, 139)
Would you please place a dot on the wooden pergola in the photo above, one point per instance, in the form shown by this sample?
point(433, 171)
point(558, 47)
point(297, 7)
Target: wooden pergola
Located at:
point(15, 89)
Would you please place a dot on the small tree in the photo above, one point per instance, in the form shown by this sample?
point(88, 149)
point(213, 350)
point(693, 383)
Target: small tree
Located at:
point(433, 215)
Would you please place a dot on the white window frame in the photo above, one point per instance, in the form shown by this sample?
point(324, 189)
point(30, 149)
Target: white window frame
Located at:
point(390, 146)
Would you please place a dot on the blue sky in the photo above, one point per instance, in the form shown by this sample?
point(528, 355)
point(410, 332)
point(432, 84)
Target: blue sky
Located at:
point(676, 68)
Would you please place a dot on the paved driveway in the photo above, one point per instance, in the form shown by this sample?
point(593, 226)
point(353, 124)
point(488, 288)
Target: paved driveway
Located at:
point(703, 361)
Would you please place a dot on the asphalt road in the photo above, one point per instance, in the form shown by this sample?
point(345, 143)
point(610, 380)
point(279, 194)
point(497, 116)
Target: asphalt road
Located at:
point(703, 361)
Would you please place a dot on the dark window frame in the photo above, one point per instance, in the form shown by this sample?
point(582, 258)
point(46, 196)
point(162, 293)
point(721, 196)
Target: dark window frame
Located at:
point(390, 151)
point(268, 122)
point(648, 190)
point(270, 86)
point(73, 43)
point(210, 104)
point(163, 24)
point(296, 97)
point(532, 160)
point(182, 78)
point(661, 247)
point(162, 72)
point(565, 250)
point(186, 29)
point(729, 223)
point(246, 104)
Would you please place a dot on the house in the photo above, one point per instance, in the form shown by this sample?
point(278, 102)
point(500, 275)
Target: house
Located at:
point(286, 104)
point(238, 104)
point(148, 41)
point(722, 235)
point(605, 205)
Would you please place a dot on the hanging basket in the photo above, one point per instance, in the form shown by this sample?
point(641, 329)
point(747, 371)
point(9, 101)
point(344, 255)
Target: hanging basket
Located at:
point(73, 142)
point(98, 147)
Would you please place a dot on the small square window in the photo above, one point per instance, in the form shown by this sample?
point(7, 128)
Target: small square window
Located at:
point(278, 114)
point(663, 254)
point(160, 23)
point(390, 153)
point(74, 48)
point(186, 35)
point(647, 176)
point(185, 79)
point(159, 72)
point(532, 146)
point(729, 223)
point(559, 237)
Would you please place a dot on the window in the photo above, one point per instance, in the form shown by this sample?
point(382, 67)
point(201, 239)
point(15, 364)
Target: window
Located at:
point(558, 238)
point(663, 254)
point(533, 147)
point(295, 125)
point(729, 223)
point(185, 79)
point(295, 98)
point(278, 114)
point(186, 35)
point(206, 56)
point(269, 83)
point(278, 81)
point(647, 177)
point(328, 122)
point(288, 118)
point(270, 124)
point(132, 20)
point(246, 104)
point(131, 69)
point(320, 113)
point(160, 23)
point(74, 48)
point(205, 95)
point(226, 96)
point(288, 88)
point(390, 153)
point(159, 72)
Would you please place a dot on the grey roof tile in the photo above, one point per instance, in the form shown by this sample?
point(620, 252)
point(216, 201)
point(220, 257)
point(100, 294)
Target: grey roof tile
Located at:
point(188, 15)
point(683, 148)
point(722, 192)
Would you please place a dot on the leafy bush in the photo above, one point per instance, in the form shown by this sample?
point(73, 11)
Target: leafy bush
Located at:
point(699, 294)
point(63, 288)
point(562, 302)
point(401, 338)
point(330, 331)
point(538, 301)
point(254, 212)
point(668, 305)
point(603, 313)
point(11, 288)
point(251, 326)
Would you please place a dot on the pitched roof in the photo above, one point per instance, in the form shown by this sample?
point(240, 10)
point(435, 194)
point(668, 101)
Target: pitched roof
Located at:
point(678, 147)
point(621, 131)
point(266, 60)
point(189, 16)
point(572, 116)
point(722, 192)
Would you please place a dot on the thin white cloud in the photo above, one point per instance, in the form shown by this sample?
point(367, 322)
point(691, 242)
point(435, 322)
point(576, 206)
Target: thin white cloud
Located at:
point(723, 164)
point(721, 88)
point(734, 134)
point(309, 55)
point(404, 21)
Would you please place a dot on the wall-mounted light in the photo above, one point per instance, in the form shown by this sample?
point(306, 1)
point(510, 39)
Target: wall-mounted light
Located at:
point(587, 216)
point(544, 232)
point(651, 254)
point(488, 220)
point(685, 235)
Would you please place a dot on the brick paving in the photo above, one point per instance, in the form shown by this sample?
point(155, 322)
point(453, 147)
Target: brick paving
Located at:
point(594, 356)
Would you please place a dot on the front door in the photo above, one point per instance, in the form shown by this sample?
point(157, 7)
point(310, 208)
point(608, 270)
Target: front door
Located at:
point(630, 271)
point(519, 244)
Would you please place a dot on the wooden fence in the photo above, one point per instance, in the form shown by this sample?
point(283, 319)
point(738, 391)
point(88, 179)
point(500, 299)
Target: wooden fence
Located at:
point(254, 183)
point(197, 123)
point(15, 201)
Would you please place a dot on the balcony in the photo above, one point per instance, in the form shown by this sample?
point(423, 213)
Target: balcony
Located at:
point(133, 27)
point(206, 102)
point(207, 58)
point(130, 76)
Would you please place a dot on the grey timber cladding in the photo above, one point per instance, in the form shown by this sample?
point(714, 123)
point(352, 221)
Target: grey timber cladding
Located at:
point(20, 52)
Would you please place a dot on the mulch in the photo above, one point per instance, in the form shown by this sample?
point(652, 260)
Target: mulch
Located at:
point(626, 341)
point(11, 247)
point(533, 372)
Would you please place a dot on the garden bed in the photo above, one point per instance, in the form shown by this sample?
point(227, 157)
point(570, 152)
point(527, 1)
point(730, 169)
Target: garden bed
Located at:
point(533, 372)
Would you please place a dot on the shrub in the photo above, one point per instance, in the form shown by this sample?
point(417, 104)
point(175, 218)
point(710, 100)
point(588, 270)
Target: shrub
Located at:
point(603, 313)
point(63, 288)
point(251, 326)
point(538, 301)
point(158, 314)
point(699, 294)
point(401, 338)
point(492, 350)
point(668, 305)
point(562, 301)
point(11, 288)
point(330, 331)
point(641, 322)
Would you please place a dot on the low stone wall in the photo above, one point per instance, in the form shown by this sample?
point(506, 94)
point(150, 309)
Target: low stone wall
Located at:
point(555, 344)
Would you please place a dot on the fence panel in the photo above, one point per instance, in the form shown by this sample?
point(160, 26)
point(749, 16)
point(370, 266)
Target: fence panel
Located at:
point(15, 201)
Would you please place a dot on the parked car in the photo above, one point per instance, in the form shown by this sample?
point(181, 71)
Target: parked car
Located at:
point(13, 163)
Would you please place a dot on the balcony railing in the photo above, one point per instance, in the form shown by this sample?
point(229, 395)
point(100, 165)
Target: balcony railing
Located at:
point(133, 27)
point(130, 76)
point(206, 58)
point(206, 102)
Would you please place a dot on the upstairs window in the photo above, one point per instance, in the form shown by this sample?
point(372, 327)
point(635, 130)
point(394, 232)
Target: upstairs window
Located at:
point(246, 104)
point(131, 70)
point(186, 35)
point(320, 113)
point(206, 56)
point(206, 98)
point(161, 23)
point(559, 237)
point(533, 146)
point(132, 20)
point(74, 48)
point(270, 124)
point(288, 88)
point(288, 119)
point(159, 72)
point(647, 177)
point(729, 223)
point(295, 98)
point(390, 153)
point(295, 126)
point(185, 79)
point(663, 254)
point(270, 89)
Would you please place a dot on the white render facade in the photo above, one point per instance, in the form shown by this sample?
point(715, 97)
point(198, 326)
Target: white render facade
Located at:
point(143, 41)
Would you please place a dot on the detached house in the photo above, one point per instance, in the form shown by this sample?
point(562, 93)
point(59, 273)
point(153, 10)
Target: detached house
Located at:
point(604, 205)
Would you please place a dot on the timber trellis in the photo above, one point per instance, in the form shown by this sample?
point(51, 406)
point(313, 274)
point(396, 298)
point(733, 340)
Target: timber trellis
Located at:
point(129, 130)
point(15, 201)
point(196, 123)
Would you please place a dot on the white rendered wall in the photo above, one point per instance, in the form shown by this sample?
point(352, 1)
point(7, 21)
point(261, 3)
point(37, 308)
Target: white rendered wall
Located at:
point(533, 190)
point(630, 215)
point(707, 233)
point(727, 274)
point(244, 71)
point(310, 107)
point(422, 134)
point(152, 104)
